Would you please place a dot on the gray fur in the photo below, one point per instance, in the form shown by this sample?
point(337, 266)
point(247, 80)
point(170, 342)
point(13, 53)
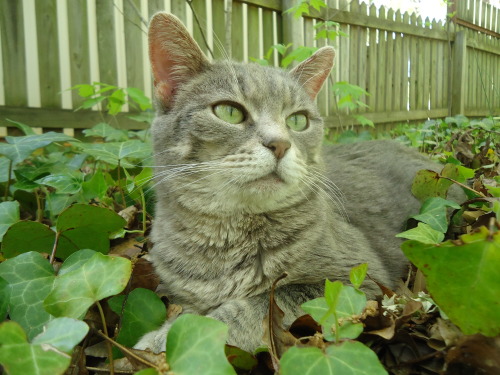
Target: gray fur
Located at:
point(226, 227)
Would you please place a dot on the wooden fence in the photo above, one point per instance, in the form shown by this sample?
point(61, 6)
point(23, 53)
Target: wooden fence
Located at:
point(413, 69)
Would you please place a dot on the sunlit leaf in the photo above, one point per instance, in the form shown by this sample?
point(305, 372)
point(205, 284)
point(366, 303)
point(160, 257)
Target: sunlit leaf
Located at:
point(195, 345)
point(30, 278)
point(9, 214)
point(423, 233)
point(62, 333)
point(463, 279)
point(99, 277)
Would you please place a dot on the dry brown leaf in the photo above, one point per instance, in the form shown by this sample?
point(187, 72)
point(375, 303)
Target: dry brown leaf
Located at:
point(144, 275)
point(477, 351)
point(129, 215)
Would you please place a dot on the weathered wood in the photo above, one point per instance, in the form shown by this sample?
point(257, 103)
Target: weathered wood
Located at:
point(199, 10)
point(267, 29)
point(459, 73)
point(13, 52)
point(46, 26)
point(78, 47)
point(219, 29)
point(373, 64)
point(292, 27)
point(106, 41)
point(237, 32)
point(253, 32)
point(63, 118)
point(178, 8)
point(133, 39)
point(267, 4)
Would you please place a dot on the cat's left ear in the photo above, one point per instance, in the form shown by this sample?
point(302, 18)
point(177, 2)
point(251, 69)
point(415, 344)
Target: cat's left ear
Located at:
point(313, 72)
point(175, 56)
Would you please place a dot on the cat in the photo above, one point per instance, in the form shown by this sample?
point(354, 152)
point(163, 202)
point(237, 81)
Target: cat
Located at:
point(246, 192)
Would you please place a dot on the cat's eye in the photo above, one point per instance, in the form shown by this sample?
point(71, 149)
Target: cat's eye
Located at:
point(297, 122)
point(229, 113)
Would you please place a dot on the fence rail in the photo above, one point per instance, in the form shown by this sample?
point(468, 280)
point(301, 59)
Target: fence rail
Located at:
point(412, 68)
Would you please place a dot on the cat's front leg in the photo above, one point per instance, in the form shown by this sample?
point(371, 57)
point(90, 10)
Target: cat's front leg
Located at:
point(245, 317)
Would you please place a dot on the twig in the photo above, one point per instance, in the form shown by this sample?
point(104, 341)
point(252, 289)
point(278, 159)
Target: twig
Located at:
point(54, 248)
point(126, 350)
point(200, 28)
point(110, 347)
point(7, 187)
point(97, 369)
point(464, 186)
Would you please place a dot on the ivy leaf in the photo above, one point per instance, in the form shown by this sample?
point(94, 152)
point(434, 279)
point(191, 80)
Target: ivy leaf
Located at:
point(4, 298)
point(433, 212)
point(423, 233)
point(358, 274)
point(195, 345)
point(19, 148)
point(107, 132)
point(18, 356)
point(463, 279)
point(69, 182)
point(99, 277)
point(26, 129)
point(429, 184)
point(31, 278)
point(9, 214)
point(298, 54)
point(96, 187)
point(79, 227)
point(351, 357)
point(142, 312)
point(116, 153)
point(63, 334)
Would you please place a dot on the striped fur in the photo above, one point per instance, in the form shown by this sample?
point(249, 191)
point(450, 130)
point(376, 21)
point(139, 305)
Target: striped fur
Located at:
point(231, 217)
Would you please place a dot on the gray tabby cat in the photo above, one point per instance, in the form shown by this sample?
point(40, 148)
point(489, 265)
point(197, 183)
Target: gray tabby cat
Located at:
point(245, 191)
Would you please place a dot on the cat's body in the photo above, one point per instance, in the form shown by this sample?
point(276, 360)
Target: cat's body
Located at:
point(243, 199)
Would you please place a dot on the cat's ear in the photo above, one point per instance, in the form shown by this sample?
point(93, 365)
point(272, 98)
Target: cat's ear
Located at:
point(175, 56)
point(313, 72)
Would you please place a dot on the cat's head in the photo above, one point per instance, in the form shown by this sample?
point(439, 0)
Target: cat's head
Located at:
point(240, 136)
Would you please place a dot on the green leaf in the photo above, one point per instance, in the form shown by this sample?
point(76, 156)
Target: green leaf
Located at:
point(107, 132)
point(76, 260)
point(99, 277)
point(138, 96)
point(240, 359)
point(25, 236)
point(30, 278)
point(429, 184)
point(463, 279)
point(332, 292)
point(116, 153)
point(4, 298)
point(142, 312)
point(147, 371)
point(96, 187)
point(63, 334)
point(423, 233)
point(298, 54)
point(351, 358)
point(80, 226)
point(9, 214)
point(433, 212)
point(358, 274)
point(17, 356)
point(195, 345)
point(56, 203)
point(19, 148)
point(69, 182)
point(26, 129)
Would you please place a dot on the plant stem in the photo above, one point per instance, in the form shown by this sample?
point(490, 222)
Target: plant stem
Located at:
point(126, 350)
point(144, 214)
point(8, 181)
point(119, 184)
point(464, 186)
point(39, 210)
point(110, 347)
point(54, 248)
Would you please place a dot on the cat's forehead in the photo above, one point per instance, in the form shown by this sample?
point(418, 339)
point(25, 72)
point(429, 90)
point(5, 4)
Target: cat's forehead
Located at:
point(256, 84)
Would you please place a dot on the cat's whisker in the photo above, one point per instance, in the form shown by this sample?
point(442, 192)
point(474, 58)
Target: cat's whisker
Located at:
point(328, 183)
point(312, 182)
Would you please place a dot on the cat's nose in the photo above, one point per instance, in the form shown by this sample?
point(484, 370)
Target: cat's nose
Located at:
point(279, 148)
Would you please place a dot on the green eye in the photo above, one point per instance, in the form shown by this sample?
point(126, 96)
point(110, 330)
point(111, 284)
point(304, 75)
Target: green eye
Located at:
point(229, 113)
point(297, 122)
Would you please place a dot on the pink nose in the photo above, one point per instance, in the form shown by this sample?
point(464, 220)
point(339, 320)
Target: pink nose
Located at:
point(279, 148)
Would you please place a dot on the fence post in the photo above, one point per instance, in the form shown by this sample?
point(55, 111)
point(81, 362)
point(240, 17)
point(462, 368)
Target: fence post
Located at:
point(459, 74)
point(293, 29)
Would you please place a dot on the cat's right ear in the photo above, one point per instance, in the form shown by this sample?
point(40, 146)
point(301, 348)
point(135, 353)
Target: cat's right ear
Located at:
point(174, 55)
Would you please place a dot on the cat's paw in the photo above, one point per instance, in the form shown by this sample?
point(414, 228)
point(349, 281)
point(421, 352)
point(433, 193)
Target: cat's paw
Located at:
point(155, 341)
